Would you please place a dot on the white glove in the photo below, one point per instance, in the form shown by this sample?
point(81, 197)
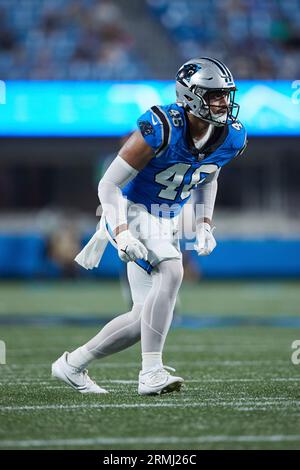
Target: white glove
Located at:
point(205, 241)
point(129, 247)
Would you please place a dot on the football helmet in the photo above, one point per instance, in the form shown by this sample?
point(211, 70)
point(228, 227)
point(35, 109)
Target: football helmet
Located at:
point(203, 82)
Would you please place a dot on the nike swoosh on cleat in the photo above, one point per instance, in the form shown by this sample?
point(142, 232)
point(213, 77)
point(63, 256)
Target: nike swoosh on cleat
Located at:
point(78, 387)
point(74, 384)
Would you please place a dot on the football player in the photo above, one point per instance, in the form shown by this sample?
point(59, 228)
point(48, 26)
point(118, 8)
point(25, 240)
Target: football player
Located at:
point(177, 147)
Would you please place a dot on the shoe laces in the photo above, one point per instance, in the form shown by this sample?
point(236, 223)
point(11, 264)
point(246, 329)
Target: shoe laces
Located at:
point(78, 370)
point(84, 372)
point(87, 377)
point(160, 372)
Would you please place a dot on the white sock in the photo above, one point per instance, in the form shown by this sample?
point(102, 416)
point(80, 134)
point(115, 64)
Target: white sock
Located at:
point(80, 358)
point(151, 360)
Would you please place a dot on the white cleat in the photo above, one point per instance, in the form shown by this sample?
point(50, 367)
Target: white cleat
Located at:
point(76, 378)
point(158, 380)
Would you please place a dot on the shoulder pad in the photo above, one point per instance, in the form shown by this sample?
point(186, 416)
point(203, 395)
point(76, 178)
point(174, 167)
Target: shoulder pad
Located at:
point(238, 135)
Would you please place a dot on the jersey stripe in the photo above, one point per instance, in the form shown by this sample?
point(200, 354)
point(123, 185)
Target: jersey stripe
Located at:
point(166, 128)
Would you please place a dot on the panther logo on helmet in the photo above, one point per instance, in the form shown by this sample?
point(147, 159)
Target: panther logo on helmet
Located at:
point(186, 71)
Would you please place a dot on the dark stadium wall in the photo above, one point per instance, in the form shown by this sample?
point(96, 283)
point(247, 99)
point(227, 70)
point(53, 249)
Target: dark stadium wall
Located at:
point(65, 172)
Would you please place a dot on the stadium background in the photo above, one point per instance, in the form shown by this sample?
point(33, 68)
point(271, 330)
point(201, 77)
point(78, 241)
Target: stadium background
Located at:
point(75, 77)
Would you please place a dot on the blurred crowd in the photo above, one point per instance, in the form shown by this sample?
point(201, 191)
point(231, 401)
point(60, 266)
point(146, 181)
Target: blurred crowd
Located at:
point(89, 39)
point(255, 38)
point(65, 39)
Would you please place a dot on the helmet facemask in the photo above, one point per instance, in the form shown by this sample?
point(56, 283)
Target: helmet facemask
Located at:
point(218, 115)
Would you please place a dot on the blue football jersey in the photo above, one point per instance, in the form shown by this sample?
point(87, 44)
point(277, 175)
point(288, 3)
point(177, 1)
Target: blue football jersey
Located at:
point(165, 183)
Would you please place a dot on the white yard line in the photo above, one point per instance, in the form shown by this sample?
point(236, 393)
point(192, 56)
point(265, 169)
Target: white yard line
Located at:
point(43, 381)
point(34, 381)
point(172, 348)
point(101, 364)
point(183, 403)
point(95, 406)
point(148, 440)
point(265, 379)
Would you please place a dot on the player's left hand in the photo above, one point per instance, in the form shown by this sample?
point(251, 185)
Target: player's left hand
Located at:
point(205, 240)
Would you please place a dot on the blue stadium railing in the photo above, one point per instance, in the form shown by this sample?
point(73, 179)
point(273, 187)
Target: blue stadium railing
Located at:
point(25, 256)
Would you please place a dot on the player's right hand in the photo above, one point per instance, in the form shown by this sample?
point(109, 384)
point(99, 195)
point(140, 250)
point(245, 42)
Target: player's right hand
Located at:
point(129, 247)
point(205, 240)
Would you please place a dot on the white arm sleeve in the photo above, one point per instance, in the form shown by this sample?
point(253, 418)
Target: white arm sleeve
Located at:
point(206, 194)
point(118, 174)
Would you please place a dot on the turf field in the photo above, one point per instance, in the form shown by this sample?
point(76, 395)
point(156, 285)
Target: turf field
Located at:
point(231, 342)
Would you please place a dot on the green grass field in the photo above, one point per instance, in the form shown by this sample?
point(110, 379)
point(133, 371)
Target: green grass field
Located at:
point(242, 390)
